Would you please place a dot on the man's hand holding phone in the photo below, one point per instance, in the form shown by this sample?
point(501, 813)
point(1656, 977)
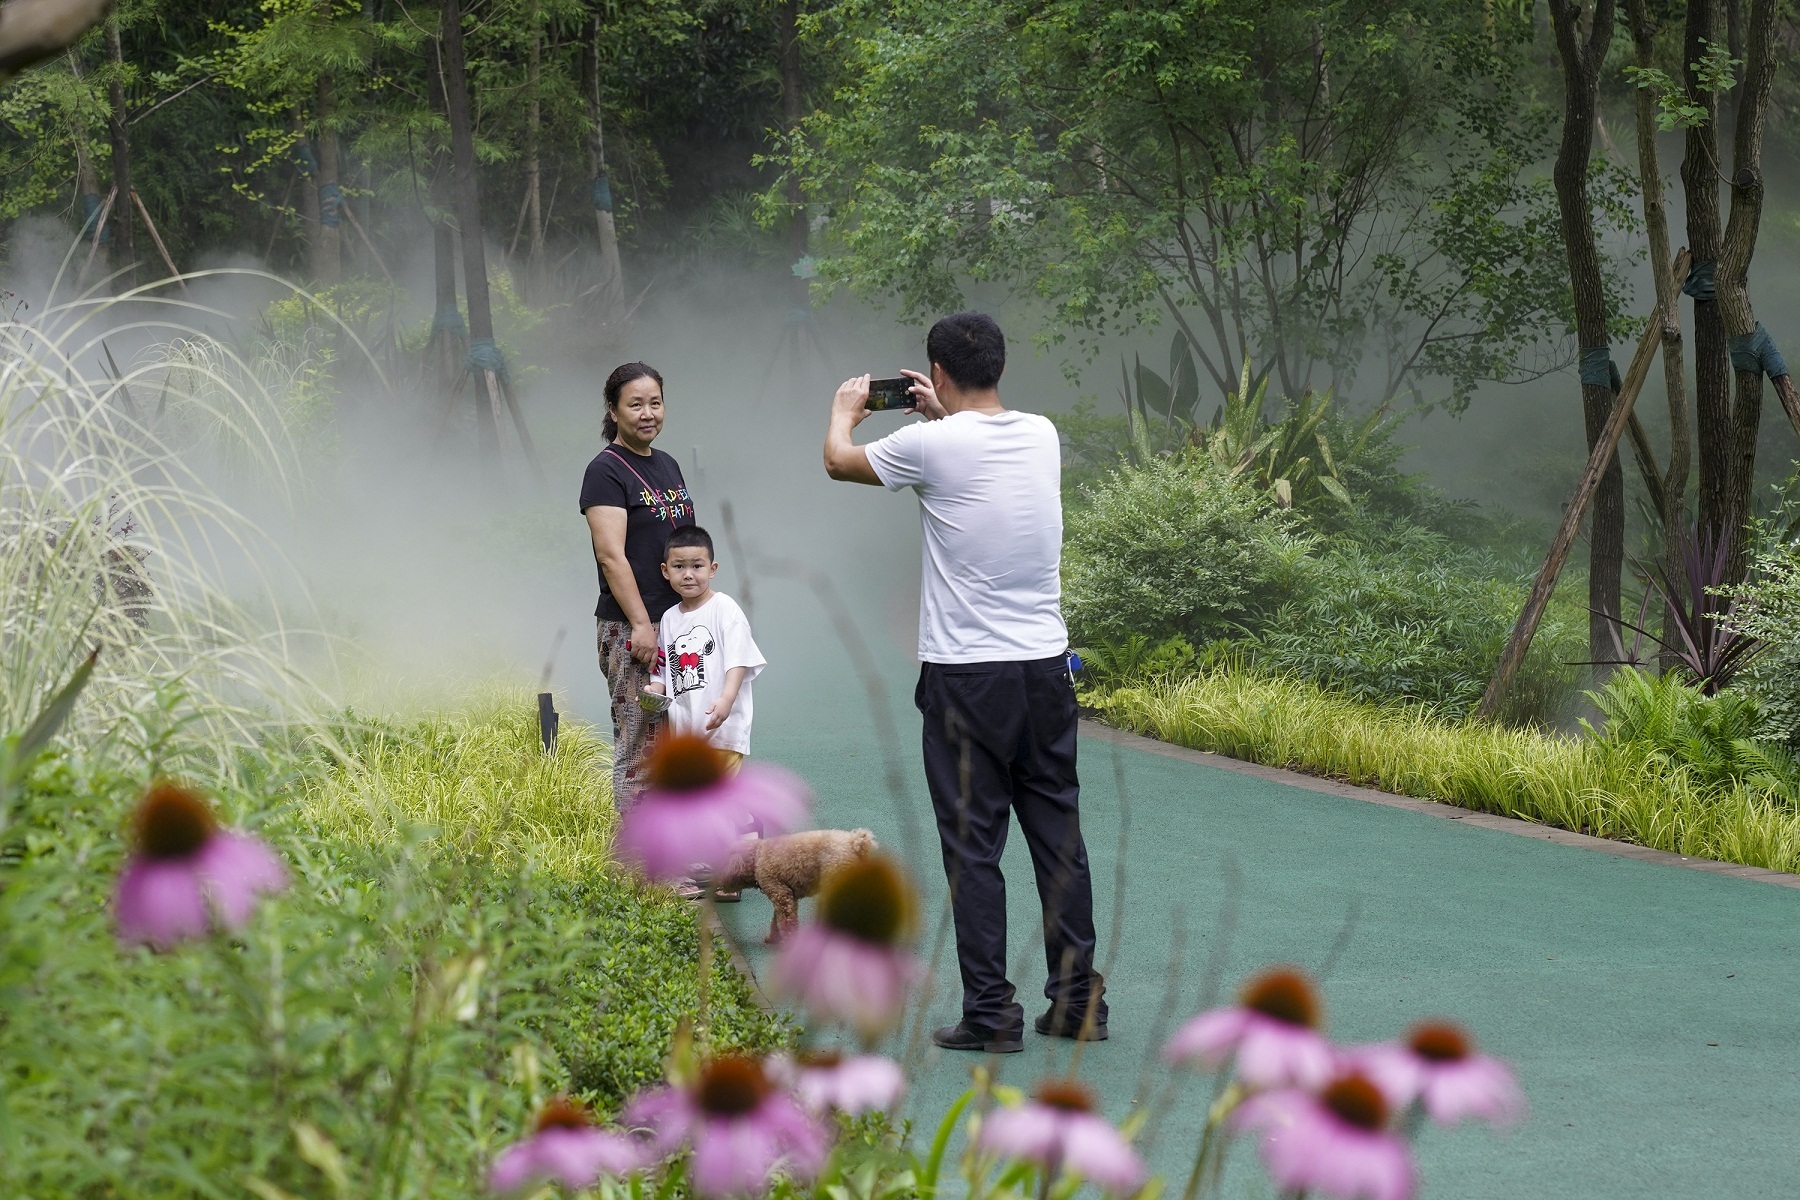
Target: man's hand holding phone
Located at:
point(925, 399)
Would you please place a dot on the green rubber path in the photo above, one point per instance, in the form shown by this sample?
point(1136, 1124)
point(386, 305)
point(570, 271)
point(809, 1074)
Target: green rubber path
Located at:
point(1651, 1012)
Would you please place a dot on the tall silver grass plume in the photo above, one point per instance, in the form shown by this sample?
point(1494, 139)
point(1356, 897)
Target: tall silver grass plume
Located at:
point(115, 532)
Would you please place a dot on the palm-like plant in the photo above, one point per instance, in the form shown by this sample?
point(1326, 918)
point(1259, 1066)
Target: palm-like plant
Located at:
point(1701, 636)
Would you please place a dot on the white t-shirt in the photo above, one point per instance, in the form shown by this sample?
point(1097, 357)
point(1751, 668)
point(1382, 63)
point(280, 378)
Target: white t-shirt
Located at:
point(990, 499)
point(698, 648)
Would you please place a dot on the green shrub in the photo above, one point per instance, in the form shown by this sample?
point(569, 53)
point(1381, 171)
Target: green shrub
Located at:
point(1716, 739)
point(1174, 546)
point(1769, 608)
point(1418, 620)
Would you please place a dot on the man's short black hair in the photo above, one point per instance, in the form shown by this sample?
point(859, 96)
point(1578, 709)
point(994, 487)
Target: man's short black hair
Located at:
point(970, 348)
point(686, 537)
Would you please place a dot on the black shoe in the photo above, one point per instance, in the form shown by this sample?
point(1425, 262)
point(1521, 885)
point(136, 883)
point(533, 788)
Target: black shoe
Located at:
point(1069, 1027)
point(964, 1036)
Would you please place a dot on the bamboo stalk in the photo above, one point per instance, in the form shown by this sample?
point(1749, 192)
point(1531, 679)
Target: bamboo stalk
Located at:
point(1518, 642)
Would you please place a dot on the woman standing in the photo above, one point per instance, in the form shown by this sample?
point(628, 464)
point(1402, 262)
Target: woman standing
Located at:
point(632, 496)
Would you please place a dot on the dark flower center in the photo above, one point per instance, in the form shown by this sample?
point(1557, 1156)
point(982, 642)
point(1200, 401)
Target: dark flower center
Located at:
point(1439, 1041)
point(172, 822)
point(563, 1113)
point(820, 1060)
point(681, 762)
point(868, 899)
point(732, 1085)
point(1285, 995)
point(1067, 1095)
point(1356, 1101)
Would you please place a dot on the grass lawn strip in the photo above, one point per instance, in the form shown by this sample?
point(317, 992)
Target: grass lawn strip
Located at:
point(1524, 774)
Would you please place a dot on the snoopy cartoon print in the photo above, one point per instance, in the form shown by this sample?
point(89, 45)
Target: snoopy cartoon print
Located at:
point(689, 653)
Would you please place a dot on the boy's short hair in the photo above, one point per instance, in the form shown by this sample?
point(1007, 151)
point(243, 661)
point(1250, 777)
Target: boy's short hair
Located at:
point(687, 537)
point(970, 348)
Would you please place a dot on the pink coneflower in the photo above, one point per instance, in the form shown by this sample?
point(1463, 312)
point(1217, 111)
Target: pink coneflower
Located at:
point(740, 1127)
point(1438, 1067)
point(691, 814)
point(850, 964)
point(567, 1148)
point(1335, 1143)
point(1272, 1033)
point(1057, 1129)
point(185, 873)
point(826, 1081)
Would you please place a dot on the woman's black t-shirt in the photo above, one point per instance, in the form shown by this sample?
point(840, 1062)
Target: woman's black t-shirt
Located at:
point(655, 499)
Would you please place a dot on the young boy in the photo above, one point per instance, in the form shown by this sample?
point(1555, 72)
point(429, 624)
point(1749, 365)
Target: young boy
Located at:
point(709, 657)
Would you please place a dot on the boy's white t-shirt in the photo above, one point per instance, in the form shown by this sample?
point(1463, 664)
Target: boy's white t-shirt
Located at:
point(990, 499)
point(698, 648)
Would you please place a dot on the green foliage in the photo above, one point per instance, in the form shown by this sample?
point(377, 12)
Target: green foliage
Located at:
point(1175, 545)
point(1133, 658)
point(1421, 621)
point(1713, 738)
point(1570, 783)
point(1291, 183)
point(1769, 609)
point(400, 1010)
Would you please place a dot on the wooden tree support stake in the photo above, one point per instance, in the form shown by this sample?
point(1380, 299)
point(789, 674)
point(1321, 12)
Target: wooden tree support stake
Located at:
point(1518, 642)
point(1784, 387)
point(157, 238)
point(344, 207)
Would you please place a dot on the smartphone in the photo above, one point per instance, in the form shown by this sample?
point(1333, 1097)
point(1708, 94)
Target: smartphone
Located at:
point(889, 394)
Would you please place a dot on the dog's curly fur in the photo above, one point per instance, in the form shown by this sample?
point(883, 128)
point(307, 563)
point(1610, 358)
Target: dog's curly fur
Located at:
point(789, 868)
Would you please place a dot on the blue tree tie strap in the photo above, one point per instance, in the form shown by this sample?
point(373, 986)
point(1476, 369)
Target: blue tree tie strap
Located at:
point(602, 194)
point(448, 319)
point(1699, 283)
point(484, 355)
point(1598, 368)
point(1756, 351)
point(91, 205)
point(331, 204)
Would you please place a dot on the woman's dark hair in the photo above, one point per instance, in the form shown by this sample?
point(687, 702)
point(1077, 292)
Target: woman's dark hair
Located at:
point(970, 348)
point(621, 375)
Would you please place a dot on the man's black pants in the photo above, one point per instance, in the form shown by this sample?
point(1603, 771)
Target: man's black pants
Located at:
point(1000, 736)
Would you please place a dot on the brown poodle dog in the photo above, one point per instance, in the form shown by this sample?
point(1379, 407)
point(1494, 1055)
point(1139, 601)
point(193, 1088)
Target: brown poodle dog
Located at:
point(790, 868)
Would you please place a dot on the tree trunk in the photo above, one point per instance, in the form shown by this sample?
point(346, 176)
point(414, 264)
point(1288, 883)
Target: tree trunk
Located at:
point(1735, 253)
point(124, 243)
point(449, 336)
point(534, 171)
point(787, 16)
point(327, 263)
point(1581, 55)
point(612, 277)
point(1700, 186)
point(468, 220)
point(1673, 484)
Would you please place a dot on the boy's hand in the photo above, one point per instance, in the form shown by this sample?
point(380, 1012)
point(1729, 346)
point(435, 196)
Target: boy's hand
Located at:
point(718, 711)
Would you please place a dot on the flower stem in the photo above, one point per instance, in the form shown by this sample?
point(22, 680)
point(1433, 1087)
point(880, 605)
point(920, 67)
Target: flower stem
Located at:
point(708, 914)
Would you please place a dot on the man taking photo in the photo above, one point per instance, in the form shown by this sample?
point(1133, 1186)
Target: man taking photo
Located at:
point(994, 687)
